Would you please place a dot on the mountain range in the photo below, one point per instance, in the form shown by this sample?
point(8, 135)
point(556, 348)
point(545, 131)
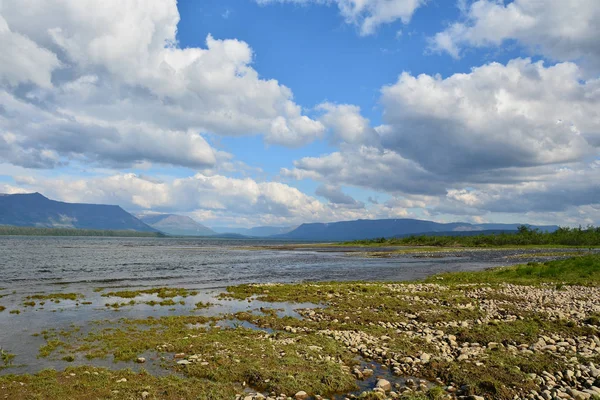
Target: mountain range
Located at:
point(177, 225)
point(36, 210)
point(257, 231)
point(376, 228)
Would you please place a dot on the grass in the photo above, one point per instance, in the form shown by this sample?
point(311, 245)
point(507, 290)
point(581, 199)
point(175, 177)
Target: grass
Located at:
point(584, 270)
point(83, 383)
point(293, 354)
point(6, 358)
point(200, 305)
point(267, 363)
point(163, 293)
point(2, 308)
point(56, 296)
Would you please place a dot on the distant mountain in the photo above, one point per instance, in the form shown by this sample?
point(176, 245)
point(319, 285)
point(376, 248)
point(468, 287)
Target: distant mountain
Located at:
point(371, 229)
point(258, 231)
point(36, 210)
point(178, 225)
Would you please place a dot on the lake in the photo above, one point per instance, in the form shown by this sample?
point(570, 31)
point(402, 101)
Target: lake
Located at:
point(33, 265)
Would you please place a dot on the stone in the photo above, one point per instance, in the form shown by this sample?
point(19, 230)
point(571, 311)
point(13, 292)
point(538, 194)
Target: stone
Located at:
point(141, 360)
point(122, 380)
point(384, 384)
point(183, 362)
point(145, 395)
point(301, 395)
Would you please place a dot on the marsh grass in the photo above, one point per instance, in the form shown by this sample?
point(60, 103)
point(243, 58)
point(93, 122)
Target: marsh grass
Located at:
point(56, 297)
point(163, 293)
point(84, 383)
point(584, 270)
point(6, 358)
point(305, 358)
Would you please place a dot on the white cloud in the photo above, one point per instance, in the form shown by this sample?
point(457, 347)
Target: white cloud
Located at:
point(368, 15)
point(369, 167)
point(108, 82)
point(560, 30)
point(522, 114)
point(347, 124)
point(22, 60)
point(502, 139)
point(337, 197)
point(211, 199)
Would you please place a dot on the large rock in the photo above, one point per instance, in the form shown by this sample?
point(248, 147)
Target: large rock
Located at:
point(384, 384)
point(301, 395)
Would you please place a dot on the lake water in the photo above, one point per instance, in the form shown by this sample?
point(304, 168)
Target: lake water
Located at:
point(32, 265)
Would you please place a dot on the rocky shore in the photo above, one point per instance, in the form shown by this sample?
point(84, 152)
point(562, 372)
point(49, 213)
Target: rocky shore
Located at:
point(524, 332)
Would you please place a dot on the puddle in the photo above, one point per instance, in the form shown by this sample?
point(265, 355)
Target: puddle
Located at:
point(91, 313)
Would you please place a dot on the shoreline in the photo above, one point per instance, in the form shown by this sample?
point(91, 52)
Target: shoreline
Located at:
point(452, 335)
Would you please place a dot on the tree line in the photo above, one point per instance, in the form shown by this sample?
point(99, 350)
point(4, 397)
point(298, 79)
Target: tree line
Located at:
point(6, 230)
point(524, 236)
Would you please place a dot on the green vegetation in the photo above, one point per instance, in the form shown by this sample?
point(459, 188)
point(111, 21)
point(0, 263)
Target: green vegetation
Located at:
point(33, 231)
point(480, 331)
point(584, 270)
point(280, 362)
point(56, 297)
point(201, 305)
point(572, 237)
point(164, 303)
point(6, 358)
point(163, 293)
point(2, 308)
point(83, 383)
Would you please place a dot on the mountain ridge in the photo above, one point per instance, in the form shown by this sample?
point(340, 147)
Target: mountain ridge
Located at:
point(177, 225)
point(256, 231)
point(36, 210)
point(376, 228)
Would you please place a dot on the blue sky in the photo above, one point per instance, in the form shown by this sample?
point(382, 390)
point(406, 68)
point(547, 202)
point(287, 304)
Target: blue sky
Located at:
point(278, 112)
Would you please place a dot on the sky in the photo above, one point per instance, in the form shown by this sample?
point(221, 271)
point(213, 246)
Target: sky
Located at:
point(278, 112)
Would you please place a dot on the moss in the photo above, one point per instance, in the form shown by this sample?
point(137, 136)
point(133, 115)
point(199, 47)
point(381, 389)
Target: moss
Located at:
point(56, 297)
point(49, 347)
point(163, 293)
point(6, 358)
point(29, 304)
point(280, 362)
point(2, 308)
point(82, 383)
point(15, 311)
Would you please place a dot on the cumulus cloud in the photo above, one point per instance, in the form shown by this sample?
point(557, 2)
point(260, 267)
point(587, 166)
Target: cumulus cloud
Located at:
point(22, 60)
point(336, 197)
point(497, 124)
point(367, 15)
point(369, 167)
point(347, 124)
point(110, 83)
point(205, 197)
point(560, 30)
point(521, 114)
point(500, 139)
